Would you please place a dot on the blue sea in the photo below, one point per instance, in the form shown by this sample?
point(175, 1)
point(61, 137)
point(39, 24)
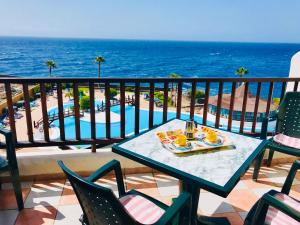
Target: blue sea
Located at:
point(132, 58)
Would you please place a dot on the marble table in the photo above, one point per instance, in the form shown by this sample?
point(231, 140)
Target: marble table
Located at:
point(216, 171)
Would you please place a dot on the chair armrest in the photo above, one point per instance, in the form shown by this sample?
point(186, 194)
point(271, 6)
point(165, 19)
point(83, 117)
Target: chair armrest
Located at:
point(10, 147)
point(177, 206)
point(264, 128)
point(112, 165)
point(269, 200)
point(290, 178)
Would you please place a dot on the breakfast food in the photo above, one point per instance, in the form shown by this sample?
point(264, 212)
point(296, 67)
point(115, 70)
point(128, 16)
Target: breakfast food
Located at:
point(163, 138)
point(212, 136)
point(181, 140)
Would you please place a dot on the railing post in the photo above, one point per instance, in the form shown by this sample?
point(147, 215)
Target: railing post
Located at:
point(76, 110)
point(231, 107)
point(61, 112)
point(151, 105)
point(165, 103)
point(28, 112)
point(44, 111)
point(92, 111)
point(107, 110)
point(137, 108)
point(219, 104)
point(205, 108)
point(193, 100)
point(179, 99)
point(11, 112)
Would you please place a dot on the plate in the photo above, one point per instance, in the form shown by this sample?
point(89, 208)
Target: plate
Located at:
point(219, 141)
point(182, 148)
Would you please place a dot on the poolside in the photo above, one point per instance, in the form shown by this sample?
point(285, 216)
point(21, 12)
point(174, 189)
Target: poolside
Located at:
point(85, 126)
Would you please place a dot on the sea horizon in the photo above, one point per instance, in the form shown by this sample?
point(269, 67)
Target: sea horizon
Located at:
point(150, 40)
point(75, 57)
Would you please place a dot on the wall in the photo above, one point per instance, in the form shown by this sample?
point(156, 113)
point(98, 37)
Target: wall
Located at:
point(294, 71)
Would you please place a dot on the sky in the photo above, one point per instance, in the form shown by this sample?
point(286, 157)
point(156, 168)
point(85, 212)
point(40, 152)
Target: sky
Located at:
point(199, 20)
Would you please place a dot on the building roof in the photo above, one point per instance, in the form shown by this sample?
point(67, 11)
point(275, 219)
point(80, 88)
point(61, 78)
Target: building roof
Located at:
point(238, 101)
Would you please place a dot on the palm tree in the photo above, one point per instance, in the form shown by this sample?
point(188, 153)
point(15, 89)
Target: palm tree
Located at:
point(99, 60)
point(69, 94)
point(174, 75)
point(51, 65)
point(242, 71)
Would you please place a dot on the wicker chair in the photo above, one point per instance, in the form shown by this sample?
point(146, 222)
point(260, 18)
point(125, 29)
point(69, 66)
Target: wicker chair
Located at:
point(101, 206)
point(288, 123)
point(10, 164)
point(277, 207)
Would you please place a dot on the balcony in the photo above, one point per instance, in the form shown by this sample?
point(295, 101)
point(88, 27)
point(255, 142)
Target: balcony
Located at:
point(54, 202)
point(49, 122)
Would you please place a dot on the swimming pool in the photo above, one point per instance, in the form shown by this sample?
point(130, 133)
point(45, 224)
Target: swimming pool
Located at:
point(85, 126)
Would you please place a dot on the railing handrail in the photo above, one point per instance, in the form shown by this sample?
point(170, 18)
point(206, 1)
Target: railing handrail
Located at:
point(21, 80)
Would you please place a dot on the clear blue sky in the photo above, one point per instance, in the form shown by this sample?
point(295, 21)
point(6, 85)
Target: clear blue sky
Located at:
point(204, 20)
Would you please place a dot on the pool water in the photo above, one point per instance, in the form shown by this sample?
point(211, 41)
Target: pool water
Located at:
point(85, 126)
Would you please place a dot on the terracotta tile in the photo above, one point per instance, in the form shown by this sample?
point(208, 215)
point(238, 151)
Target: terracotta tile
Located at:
point(242, 200)
point(8, 217)
point(138, 170)
point(68, 197)
point(46, 193)
point(167, 200)
point(140, 181)
point(37, 216)
point(210, 204)
point(295, 191)
point(8, 199)
point(234, 218)
point(260, 183)
point(153, 192)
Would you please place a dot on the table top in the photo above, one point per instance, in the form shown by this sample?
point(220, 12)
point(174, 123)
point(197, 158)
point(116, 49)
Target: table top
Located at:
point(217, 171)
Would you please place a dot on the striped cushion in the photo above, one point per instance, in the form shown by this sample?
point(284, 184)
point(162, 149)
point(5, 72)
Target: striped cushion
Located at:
point(287, 140)
point(141, 209)
point(275, 217)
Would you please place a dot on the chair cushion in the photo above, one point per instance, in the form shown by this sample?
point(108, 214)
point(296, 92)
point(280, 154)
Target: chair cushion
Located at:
point(141, 209)
point(276, 217)
point(287, 140)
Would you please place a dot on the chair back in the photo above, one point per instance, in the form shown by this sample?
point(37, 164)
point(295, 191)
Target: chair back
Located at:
point(288, 121)
point(99, 204)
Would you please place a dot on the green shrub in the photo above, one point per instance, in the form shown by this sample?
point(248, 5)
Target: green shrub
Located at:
point(199, 94)
point(276, 101)
point(112, 92)
point(37, 88)
point(160, 96)
point(129, 89)
point(81, 93)
point(85, 102)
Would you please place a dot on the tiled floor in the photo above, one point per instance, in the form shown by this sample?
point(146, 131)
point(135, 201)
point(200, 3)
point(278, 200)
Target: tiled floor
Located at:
point(54, 202)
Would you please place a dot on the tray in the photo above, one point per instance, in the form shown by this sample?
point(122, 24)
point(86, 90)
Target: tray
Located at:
point(200, 143)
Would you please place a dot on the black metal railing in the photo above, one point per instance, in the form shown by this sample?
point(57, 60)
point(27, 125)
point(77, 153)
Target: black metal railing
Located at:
point(259, 88)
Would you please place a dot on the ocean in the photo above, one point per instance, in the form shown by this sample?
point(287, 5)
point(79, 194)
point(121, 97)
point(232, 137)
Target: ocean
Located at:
point(133, 58)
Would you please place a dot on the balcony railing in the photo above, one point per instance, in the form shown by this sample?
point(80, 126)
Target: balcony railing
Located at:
point(265, 88)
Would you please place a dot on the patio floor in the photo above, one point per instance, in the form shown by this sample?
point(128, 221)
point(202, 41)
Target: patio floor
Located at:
point(54, 202)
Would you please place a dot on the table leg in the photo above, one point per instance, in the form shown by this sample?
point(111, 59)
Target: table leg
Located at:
point(191, 211)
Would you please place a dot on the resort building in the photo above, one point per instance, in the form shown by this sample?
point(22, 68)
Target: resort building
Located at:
point(238, 105)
